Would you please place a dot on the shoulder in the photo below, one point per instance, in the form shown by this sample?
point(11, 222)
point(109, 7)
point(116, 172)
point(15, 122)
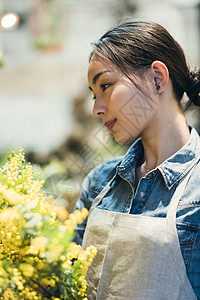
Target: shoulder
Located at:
point(102, 174)
point(95, 181)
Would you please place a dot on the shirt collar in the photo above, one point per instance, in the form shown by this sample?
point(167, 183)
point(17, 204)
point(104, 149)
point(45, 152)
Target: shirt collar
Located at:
point(172, 169)
point(181, 162)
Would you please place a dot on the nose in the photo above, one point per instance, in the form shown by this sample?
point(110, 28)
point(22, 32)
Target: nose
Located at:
point(99, 109)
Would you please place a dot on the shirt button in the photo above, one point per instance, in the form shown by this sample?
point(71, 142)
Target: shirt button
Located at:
point(142, 194)
point(122, 168)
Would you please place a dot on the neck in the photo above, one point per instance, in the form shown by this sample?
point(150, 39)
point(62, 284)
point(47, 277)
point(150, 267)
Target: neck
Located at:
point(163, 139)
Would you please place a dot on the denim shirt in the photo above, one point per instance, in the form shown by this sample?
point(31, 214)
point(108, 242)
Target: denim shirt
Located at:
point(152, 195)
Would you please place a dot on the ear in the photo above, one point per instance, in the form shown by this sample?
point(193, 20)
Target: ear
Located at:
point(160, 74)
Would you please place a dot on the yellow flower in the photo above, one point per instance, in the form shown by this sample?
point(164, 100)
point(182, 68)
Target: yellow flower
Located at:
point(67, 265)
point(9, 295)
point(10, 196)
point(48, 281)
point(38, 245)
point(27, 270)
point(33, 244)
point(76, 218)
point(86, 257)
point(62, 213)
point(73, 251)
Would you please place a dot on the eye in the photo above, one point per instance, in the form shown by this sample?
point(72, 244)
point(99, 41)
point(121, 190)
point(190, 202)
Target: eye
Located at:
point(93, 96)
point(104, 86)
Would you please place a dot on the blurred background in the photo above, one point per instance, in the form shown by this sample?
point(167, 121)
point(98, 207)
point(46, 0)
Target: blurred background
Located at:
point(46, 107)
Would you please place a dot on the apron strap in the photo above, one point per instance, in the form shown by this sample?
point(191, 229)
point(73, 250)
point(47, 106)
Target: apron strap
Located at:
point(100, 196)
point(171, 214)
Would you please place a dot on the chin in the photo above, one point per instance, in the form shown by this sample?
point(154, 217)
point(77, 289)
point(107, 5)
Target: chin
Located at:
point(124, 139)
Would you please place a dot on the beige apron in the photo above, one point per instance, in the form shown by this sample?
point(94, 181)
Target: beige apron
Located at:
point(139, 257)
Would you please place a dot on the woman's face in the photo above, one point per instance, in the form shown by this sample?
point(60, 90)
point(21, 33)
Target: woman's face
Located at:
point(124, 109)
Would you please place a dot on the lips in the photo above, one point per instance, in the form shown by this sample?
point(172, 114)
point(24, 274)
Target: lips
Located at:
point(110, 124)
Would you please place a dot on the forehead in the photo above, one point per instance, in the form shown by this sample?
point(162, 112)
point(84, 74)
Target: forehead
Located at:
point(99, 64)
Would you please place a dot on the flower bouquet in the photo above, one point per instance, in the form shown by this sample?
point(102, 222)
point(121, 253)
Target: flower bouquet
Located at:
point(38, 259)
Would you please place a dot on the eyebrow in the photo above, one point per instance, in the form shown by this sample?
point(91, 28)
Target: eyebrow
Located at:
point(96, 77)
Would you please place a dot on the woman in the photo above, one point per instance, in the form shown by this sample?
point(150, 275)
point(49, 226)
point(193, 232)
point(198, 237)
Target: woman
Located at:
point(144, 213)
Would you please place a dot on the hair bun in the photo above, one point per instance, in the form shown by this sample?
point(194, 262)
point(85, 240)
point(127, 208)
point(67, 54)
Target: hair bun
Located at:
point(193, 90)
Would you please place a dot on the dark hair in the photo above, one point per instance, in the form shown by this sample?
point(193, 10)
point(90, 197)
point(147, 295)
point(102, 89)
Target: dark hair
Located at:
point(134, 46)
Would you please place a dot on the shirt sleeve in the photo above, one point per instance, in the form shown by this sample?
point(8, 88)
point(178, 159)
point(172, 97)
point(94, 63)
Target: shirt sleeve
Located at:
point(84, 201)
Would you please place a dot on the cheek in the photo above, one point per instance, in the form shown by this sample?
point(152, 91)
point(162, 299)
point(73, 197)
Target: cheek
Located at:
point(134, 109)
point(122, 96)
